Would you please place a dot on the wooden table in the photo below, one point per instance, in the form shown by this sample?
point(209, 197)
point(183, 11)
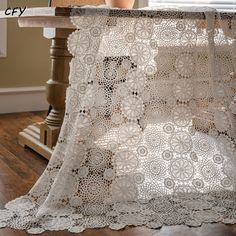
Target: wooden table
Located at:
point(42, 136)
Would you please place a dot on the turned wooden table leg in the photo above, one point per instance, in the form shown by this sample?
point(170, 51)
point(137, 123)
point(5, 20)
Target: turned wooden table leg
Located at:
point(42, 137)
point(56, 86)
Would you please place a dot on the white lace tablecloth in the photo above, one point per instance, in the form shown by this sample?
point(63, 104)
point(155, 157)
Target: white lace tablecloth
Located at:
point(149, 134)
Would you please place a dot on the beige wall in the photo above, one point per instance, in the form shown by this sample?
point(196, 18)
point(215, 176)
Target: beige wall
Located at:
point(27, 62)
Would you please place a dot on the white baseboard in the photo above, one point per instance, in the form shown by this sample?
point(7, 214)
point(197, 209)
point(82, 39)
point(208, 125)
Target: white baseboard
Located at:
point(22, 99)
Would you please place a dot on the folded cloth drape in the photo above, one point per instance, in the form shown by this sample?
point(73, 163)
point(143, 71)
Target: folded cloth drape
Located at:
point(149, 135)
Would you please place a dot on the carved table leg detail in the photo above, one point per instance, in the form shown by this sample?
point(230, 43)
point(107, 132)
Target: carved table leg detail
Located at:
point(42, 137)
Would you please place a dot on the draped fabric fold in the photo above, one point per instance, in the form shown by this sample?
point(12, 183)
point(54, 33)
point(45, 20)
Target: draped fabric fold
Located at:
point(149, 132)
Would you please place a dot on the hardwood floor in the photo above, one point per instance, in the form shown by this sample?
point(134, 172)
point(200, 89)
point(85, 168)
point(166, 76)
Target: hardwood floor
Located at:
point(20, 168)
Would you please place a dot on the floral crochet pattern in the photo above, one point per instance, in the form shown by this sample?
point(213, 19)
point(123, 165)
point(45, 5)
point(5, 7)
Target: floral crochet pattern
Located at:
point(149, 134)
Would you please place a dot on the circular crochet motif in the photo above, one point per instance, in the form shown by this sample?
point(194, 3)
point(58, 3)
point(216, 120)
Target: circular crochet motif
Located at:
point(198, 183)
point(184, 64)
point(226, 182)
point(98, 159)
point(180, 25)
point(125, 161)
point(139, 178)
point(130, 37)
point(135, 80)
point(110, 73)
point(168, 35)
point(130, 134)
point(76, 201)
point(142, 151)
point(181, 142)
point(82, 38)
point(182, 169)
point(114, 45)
point(182, 115)
point(82, 172)
point(93, 189)
point(188, 38)
point(209, 171)
point(144, 29)
point(109, 174)
point(218, 159)
point(169, 183)
point(167, 155)
point(140, 53)
point(155, 168)
point(169, 128)
point(89, 59)
point(95, 31)
point(183, 90)
point(117, 118)
point(123, 189)
point(204, 146)
point(132, 107)
point(150, 69)
point(154, 139)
